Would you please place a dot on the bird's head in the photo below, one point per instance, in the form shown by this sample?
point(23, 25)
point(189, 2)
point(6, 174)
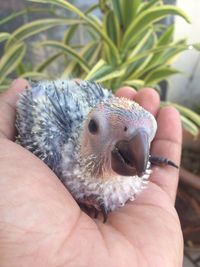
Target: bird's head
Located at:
point(116, 138)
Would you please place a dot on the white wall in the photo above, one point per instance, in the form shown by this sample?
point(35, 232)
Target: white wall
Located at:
point(185, 88)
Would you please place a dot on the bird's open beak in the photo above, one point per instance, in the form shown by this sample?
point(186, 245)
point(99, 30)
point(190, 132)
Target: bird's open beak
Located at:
point(130, 157)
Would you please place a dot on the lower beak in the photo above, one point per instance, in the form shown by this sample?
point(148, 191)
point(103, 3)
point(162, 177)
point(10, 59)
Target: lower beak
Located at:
point(130, 157)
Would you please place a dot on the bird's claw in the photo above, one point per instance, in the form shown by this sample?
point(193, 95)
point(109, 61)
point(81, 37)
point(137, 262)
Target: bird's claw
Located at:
point(104, 212)
point(157, 160)
point(93, 206)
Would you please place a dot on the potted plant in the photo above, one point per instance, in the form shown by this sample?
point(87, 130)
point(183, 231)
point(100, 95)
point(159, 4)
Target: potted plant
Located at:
point(127, 45)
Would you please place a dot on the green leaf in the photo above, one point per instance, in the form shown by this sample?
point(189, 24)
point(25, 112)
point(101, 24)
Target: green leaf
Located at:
point(91, 8)
point(140, 65)
point(69, 51)
point(148, 4)
point(95, 19)
point(160, 59)
point(97, 69)
point(103, 6)
point(69, 34)
point(89, 53)
point(168, 56)
point(102, 72)
point(111, 27)
point(93, 35)
point(196, 46)
point(34, 75)
point(118, 10)
point(190, 119)
point(167, 36)
point(91, 22)
point(12, 16)
point(4, 36)
point(61, 3)
point(3, 87)
point(165, 39)
point(47, 62)
point(146, 18)
point(153, 50)
point(137, 84)
point(35, 27)
point(164, 56)
point(143, 45)
point(96, 54)
point(25, 11)
point(129, 10)
point(186, 112)
point(20, 69)
point(140, 44)
point(108, 76)
point(69, 70)
point(11, 59)
point(189, 126)
point(159, 74)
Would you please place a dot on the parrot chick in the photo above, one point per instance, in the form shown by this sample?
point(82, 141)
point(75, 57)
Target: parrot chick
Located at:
point(97, 144)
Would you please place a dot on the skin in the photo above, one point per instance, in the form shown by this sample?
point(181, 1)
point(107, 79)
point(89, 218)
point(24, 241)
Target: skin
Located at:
point(41, 225)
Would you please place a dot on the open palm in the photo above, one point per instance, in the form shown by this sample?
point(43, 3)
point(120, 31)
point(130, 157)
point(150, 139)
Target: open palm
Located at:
point(41, 224)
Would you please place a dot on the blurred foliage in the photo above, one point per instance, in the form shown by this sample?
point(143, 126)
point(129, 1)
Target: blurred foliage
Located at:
point(197, 108)
point(126, 45)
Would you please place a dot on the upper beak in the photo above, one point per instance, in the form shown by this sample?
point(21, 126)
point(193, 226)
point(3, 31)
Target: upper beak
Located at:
point(130, 157)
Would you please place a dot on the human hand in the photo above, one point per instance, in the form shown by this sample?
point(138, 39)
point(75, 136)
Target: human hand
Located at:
point(41, 224)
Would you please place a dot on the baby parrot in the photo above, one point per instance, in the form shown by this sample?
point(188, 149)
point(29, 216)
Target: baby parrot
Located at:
point(97, 144)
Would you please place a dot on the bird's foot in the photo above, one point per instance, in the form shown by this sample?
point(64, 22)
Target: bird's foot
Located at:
point(93, 207)
point(157, 160)
point(103, 210)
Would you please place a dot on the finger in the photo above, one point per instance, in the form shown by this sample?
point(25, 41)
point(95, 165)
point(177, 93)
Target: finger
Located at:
point(8, 101)
point(149, 99)
point(167, 143)
point(127, 92)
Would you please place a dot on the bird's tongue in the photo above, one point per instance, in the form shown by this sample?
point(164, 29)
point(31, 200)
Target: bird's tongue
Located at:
point(131, 157)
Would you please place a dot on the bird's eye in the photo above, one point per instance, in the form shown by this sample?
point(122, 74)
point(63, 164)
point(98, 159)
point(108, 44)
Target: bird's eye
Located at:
point(125, 129)
point(93, 126)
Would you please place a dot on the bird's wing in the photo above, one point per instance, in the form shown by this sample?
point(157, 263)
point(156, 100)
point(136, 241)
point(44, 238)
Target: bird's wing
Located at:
point(49, 113)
